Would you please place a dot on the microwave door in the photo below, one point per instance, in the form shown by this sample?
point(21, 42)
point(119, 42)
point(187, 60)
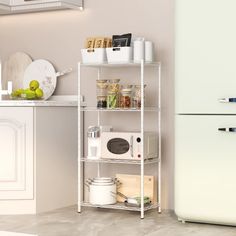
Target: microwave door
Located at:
point(117, 145)
point(118, 148)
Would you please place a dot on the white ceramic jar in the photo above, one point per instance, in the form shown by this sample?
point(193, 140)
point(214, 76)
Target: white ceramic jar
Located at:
point(149, 51)
point(139, 50)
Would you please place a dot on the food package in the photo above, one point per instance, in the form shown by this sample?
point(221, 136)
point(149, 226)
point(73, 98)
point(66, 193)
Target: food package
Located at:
point(90, 43)
point(123, 40)
point(100, 43)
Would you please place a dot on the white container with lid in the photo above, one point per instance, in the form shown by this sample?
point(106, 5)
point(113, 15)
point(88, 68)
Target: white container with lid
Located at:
point(138, 50)
point(149, 51)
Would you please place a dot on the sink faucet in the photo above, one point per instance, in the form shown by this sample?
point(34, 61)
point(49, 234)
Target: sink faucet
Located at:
point(9, 85)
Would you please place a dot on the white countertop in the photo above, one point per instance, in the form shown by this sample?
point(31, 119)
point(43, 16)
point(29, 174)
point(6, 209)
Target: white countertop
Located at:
point(54, 101)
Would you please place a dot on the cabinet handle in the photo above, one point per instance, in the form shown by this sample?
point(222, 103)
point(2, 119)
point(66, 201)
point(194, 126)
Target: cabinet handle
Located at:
point(232, 130)
point(131, 147)
point(227, 100)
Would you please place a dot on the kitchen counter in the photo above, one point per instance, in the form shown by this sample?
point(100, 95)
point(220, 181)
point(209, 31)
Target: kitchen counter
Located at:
point(54, 101)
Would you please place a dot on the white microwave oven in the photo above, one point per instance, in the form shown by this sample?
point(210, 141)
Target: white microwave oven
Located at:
point(127, 145)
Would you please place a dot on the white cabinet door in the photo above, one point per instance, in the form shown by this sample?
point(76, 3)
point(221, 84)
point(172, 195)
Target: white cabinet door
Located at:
point(16, 153)
point(205, 60)
point(205, 164)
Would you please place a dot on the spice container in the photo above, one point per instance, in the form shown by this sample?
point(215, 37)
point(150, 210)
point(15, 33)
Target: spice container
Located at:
point(136, 99)
point(113, 94)
point(101, 102)
point(125, 99)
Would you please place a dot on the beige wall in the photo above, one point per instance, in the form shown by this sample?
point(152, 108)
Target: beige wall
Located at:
point(59, 36)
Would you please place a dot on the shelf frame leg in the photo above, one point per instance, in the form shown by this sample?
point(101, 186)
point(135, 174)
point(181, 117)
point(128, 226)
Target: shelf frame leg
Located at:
point(159, 139)
point(79, 139)
point(142, 140)
point(99, 71)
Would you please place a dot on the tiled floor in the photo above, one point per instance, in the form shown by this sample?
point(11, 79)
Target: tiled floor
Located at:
point(100, 222)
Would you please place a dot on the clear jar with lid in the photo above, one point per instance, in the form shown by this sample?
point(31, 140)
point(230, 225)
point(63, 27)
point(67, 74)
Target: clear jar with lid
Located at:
point(113, 85)
point(101, 102)
point(101, 87)
point(125, 99)
point(113, 93)
point(136, 99)
point(112, 100)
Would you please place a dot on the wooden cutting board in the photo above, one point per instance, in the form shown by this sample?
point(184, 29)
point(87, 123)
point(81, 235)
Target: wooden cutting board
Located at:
point(14, 68)
point(130, 186)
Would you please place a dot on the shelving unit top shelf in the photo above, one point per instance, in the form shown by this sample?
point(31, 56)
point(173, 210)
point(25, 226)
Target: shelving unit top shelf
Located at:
point(112, 65)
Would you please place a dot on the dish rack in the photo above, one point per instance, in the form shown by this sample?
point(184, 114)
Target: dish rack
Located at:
point(83, 109)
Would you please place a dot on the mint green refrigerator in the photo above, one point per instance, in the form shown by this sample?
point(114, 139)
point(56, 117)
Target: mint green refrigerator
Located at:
point(205, 119)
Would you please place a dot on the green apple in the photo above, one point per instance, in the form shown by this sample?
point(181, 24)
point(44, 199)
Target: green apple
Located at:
point(29, 94)
point(17, 93)
point(34, 84)
point(39, 93)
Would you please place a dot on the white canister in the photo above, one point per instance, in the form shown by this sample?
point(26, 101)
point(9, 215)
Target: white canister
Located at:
point(138, 50)
point(149, 51)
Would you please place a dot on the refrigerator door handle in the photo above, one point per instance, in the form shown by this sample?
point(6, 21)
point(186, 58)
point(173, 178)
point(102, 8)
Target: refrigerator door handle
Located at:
point(226, 100)
point(231, 129)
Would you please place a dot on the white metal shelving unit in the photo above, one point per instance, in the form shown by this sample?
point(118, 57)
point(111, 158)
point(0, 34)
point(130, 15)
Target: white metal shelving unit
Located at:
point(82, 160)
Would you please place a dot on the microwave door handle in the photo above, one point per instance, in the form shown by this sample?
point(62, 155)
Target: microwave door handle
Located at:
point(131, 147)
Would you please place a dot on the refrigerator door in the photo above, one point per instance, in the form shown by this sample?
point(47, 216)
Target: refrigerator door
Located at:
point(205, 56)
point(205, 169)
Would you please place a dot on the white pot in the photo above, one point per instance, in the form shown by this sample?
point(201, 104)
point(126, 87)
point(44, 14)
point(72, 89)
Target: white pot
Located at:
point(102, 193)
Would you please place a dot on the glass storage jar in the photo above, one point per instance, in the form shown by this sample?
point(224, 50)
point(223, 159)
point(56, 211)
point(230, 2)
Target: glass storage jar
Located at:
point(112, 100)
point(136, 98)
point(101, 102)
point(113, 85)
point(101, 87)
point(125, 99)
point(113, 93)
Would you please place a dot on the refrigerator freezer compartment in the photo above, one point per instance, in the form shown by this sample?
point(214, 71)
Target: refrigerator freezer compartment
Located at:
point(205, 168)
point(205, 52)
